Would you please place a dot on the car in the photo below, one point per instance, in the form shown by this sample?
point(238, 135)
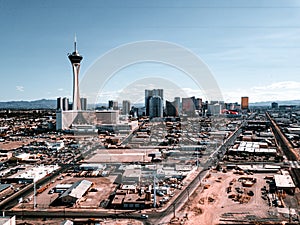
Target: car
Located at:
point(144, 216)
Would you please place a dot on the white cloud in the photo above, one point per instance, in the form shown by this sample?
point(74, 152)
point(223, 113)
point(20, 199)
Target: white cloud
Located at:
point(285, 90)
point(20, 88)
point(279, 85)
point(60, 89)
point(192, 92)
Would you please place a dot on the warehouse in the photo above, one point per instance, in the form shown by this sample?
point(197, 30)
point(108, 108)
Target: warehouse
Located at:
point(75, 192)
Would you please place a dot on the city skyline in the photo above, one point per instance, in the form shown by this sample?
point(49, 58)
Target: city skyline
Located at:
point(250, 47)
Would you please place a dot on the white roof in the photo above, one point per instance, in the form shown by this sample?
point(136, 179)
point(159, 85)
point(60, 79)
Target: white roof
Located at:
point(35, 173)
point(78, 189)
point(284, 181)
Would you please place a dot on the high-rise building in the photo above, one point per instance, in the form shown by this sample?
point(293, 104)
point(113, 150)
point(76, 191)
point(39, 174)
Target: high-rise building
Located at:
point(232, 106)
point(188, 106)
point(65, 104)
point(126, 107)
point(149, 94)
point(113, 105)
point(59, 104)
point(155, 107)
point(199, 103)
point(245, 102)
point(75, 59)
point(83, 103)
point(274, 105)
point(110, 104)
point(177, 105)
point(214, 109)
point(171, 109)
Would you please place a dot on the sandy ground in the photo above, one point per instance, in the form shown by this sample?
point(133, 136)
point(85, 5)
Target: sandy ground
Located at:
point(211, 205)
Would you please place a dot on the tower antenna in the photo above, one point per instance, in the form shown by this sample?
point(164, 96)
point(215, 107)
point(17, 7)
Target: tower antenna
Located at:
point(75, 43)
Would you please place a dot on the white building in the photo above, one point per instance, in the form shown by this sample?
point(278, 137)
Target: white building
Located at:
point(32, 174)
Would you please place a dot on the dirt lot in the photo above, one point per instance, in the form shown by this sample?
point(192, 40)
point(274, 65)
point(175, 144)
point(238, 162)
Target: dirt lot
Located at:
point(211, 204)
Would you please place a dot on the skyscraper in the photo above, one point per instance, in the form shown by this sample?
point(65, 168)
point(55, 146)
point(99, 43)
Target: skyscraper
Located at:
point(65, 104)
point(125, 107)
point(113, 105)
point(177, 105)
point(83, 103)
point(155, 107)
point(75, 59)
point(245, 102)
point(59, 104)
point(173, 108)
point(188, 106)
point(274, 105)
point(149, 94)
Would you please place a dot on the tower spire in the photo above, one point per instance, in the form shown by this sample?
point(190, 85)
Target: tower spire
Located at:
point(75, 59)
point(75, 43)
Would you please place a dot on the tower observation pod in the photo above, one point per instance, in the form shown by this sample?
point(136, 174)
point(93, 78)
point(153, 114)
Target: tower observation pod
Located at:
point(75, 59)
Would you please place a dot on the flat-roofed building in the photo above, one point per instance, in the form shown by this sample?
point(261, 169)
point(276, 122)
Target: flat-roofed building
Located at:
point(285, 182)
point(134, 201)
point(131, 176)
point(31, 174)
point(107, 117)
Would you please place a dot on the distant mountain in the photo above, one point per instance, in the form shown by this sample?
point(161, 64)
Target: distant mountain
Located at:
point(268, 103)
point(38, 104)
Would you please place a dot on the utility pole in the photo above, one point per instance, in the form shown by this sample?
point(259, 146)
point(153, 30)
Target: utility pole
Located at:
point(188, 192)
point(34, 194)
point(154, 189)
point(174, 210)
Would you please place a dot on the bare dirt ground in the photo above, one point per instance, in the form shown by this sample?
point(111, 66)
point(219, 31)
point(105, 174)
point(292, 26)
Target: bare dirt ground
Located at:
point(210, 203)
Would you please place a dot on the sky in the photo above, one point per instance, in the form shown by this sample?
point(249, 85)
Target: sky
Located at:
point(252, 48)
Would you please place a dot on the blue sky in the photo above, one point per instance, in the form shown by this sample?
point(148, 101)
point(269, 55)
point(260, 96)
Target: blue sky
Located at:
point(252, 47)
